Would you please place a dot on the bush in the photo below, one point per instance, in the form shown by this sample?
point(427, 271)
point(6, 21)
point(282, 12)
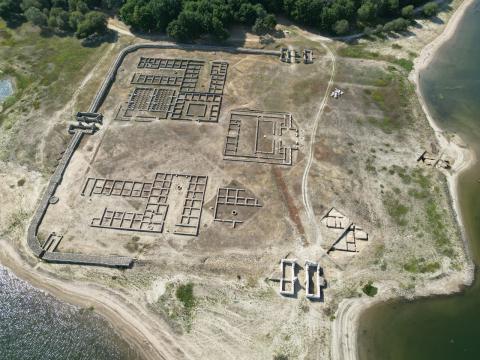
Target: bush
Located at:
point(369, 289)
point(396, 25)
point(94, 23)
point(341, 27)
point(264, 25)
point(184, 293)
point(430, 9)
point(9, 8)
point(407, 12)
point(36, 16)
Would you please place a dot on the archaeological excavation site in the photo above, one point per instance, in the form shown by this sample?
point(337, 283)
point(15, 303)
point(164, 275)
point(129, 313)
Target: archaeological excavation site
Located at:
point(186, 146)
point(264, 179)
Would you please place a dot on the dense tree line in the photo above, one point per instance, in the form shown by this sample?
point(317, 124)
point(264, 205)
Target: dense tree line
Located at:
point(190, 19)
point(187, 19)
point(77, 16)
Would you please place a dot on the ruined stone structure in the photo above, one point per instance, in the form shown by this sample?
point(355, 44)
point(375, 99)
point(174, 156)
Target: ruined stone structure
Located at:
point(188, 223)
point(261, 136)
point(288, 280)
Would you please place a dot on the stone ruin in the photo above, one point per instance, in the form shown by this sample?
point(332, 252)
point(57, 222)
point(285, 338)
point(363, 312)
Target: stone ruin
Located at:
point(346, 233)
point(157, 203)
point(261, 136)
point(167, 89)
point(435, 161)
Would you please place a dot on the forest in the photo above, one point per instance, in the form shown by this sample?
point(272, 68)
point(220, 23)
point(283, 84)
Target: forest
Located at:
point(186, 20)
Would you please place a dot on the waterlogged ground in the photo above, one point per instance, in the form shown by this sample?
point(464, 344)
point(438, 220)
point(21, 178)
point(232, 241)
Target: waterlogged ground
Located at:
point(34, 325)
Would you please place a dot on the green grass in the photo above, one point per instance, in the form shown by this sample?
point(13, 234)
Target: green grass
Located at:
point(407, 64)
point(426, 198)
point(360, 52)
point(420, 265)
point(184, 294)
point(395, 209)
point(46, 70)
point(36, 61)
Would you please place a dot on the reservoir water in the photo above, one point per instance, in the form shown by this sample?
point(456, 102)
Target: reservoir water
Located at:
point(34, 325)
point(441, 327)
point(6, 89)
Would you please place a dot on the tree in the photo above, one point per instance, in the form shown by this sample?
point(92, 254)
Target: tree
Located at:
point(398, 25)
point(341, 27)
point(407, 12)
point(367, 11)
point(187, 26)
point(75, 18)
point(264, 25)
point(164, 11)
point(248, 13)
point(304, 11)
point(39, 4)
point(393, 6)
point(36, 16)
point(94, 23)
point(430, 9)
point(78, 5)
point(9, 8)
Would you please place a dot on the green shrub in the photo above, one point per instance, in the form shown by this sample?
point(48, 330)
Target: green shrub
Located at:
point(184, 293)
point(369, 290)
point(430, 9)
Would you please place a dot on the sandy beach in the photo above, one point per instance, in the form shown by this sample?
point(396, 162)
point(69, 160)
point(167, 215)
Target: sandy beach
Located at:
point(345, 326)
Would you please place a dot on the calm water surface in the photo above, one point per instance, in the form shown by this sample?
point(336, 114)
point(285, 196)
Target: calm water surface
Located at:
point(6, 89)
point(34, 325)
point(444, 327)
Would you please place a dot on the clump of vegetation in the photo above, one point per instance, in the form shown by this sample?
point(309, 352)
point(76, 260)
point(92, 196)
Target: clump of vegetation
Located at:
point(177, 306)
point(369, 290)
point(360, 52)
point(21, 182)
point(404, 63)
point(430, 9)
point(420, 265)
point(72, 16)
point(184, 293)
point(396, 209)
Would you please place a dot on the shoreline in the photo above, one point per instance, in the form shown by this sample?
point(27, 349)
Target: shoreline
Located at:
point(132, 326)
point(344, 331)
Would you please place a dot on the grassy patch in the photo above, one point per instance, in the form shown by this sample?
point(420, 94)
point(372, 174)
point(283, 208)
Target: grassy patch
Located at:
point(385, 124)
point(369, 290)
point(360, 52)
point(177, 306)
point(396, 209)
point(184, 293)
point(46, 71)
point(407, 64)
point(420, 265)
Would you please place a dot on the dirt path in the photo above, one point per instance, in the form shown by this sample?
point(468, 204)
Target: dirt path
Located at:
point(316, 238)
